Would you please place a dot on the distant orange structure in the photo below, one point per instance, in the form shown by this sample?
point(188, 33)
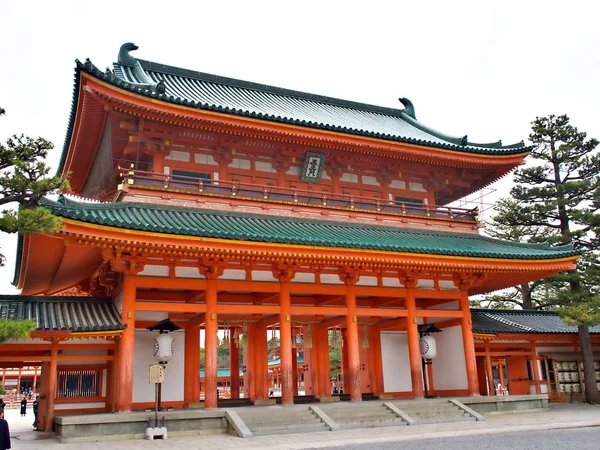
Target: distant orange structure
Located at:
point(240, 208)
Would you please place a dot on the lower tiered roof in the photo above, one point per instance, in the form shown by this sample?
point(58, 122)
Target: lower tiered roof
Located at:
point(299, 231)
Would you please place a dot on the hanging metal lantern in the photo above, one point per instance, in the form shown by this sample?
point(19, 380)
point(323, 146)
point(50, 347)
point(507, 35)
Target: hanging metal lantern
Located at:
point(428, 347)
point(163, 348)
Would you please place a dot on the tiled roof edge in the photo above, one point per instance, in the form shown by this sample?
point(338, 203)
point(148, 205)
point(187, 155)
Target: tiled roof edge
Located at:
point(112, 79)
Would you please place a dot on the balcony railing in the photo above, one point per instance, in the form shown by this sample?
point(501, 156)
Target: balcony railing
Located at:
point(269, 193)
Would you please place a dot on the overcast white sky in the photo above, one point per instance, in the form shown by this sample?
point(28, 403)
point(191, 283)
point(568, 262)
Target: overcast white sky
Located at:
point(481, 68)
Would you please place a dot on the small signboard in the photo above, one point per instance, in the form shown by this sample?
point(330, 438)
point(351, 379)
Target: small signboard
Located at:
point(157, 374)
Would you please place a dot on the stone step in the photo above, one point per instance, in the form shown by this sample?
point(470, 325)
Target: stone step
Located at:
point(289, 431)
point(371, 423)
point(283, 420)
point(292, 426)
point(350, 414)
point(446, 420)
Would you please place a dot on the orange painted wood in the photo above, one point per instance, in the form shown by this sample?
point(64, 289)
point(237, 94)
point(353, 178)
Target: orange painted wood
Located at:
point(323, 373)
point(294, 367)
point(261, 362)
point(469, 347)
point(234, 364)
point(516, 367)
point(285, 329)
point(191, 381)
point(375, 360)
point(489, 372)
point(52, 386)
point(414, 353)
point(354, 387)
point(210, 344)
point(126, 345)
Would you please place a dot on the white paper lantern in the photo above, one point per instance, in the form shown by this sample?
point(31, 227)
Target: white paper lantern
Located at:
point(163, 347)
point(427, 347)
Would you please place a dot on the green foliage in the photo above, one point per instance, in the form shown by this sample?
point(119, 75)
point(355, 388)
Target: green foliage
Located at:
point(2, 389)
point(556, 199)
point(16, 329)
point(24, 180)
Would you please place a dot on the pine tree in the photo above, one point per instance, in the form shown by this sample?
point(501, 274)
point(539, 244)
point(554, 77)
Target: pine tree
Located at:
point(15, 329)
point(556, 200)
point(24, 181)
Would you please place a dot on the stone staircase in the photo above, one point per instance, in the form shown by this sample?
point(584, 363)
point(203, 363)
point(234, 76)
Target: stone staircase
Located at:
point(268, 420)
point(277, 419)
point(434, 411)
point(364, 414)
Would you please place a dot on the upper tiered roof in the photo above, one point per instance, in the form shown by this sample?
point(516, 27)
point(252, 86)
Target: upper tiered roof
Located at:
point(242, 98)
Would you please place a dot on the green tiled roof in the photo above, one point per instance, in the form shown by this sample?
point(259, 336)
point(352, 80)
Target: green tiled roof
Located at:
point(301, 231)
point(77, 314)
point(243, 98)
point(497, 321)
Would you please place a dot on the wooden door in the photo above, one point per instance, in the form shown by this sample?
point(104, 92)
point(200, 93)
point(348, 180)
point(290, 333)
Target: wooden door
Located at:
point(518, 381)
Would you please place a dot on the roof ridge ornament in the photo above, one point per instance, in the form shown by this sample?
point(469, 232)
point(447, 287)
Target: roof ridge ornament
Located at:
point(144, 80)
point(409, 108)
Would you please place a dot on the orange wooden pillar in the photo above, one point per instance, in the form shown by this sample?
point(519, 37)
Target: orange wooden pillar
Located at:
point(191, 374)
point(354, 388)
point(323, 374)
point(285, 330)
point(468, 343)
point(375, 360)
point(412, 332)
point(261, 362)
point(294, 366)
point(489, 371)
point(35, 375)
point(234, 364)
point(211, 339)
point(52, 385)
point(126, 344)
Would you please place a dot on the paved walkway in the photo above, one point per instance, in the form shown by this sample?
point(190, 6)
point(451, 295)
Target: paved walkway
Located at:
point(556, 417)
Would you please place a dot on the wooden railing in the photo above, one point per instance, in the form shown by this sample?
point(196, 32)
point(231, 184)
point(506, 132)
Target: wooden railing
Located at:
point(269, 193)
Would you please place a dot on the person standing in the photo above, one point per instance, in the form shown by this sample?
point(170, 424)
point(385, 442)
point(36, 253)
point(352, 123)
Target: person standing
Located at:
point(35, 411)
point(23, 406)
point(4, 433)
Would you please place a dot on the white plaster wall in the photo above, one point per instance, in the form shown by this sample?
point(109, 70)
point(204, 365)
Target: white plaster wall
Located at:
point(372, 181)
point(304, 278)
point(414, 186)
point(398, 184)
point(143, 390)
point(294, 170)
point(262, 275)
point(233, 274)
point(262, 166)
point(176, 155)
point(205, 159)
point(349, 177)
point(396, 365)
point(391, 282)
point(240, 163)
point(367, 281)
point(447, 285)
point(449, 370)
point(328, 278)
point(187, 272)
point(425, 284)
point(155, 271)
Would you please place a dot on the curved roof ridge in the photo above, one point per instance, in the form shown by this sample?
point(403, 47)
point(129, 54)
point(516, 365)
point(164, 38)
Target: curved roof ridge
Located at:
point(235, 82)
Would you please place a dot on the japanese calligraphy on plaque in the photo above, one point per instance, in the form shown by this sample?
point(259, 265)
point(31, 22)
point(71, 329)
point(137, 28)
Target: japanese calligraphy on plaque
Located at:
point(312, 169)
